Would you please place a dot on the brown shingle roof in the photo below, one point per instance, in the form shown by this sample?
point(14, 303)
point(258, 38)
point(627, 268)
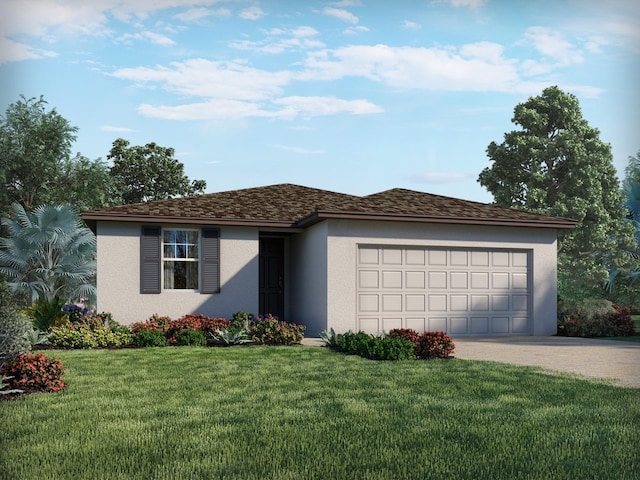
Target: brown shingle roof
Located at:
point(287, 205)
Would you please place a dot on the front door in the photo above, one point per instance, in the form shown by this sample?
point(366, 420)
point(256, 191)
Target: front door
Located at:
point(272, 276)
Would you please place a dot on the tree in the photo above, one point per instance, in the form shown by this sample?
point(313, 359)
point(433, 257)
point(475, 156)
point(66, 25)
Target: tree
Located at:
point(149, 172)
point(49, 253)
point(632, 171)
point(556, 164)
point(36, 167)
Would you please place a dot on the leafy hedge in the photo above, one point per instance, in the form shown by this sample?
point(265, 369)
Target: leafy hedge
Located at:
point(616, 323)
point(268, 330)
point(92, 331)
point(172, 328)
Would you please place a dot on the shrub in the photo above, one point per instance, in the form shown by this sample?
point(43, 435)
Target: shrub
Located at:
point(376, 347)
point(240, 321)
point(74, 312)
point(614, 323)
point(98, 330)
point(34, 373)
point(190, 337)
point(16, 333)
point(434, 345)
point(406, 333)
point(5, 385)
point(155, 322)
point(150, 338)
point(271, 331)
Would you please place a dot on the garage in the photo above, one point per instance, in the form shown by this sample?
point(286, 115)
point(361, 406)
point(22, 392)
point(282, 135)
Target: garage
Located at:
point(463, 291)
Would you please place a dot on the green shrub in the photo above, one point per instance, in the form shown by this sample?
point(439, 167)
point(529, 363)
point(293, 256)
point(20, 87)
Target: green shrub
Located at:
point(271, 331)
point(150, 338)
point(171, 328)
point(376, 347)
point(190, 337)
point(16, 333)
point(34, 373)
point(240, 321)
point(98, 330)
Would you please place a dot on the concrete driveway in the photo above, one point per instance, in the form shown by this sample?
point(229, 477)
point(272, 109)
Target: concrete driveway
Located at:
point(615, 362)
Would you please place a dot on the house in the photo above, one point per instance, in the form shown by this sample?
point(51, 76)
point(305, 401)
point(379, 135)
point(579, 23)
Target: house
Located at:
point(398, 258)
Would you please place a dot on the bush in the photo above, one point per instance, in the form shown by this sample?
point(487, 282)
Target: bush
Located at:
point(98, 330)
point(16, 333)
point(434, 345)
point(34, 373)
point(171, 328)
point(150, 338)
point(190, 337)
point(406, 333)
point(240, 321)
point(612, 323)
point(271, 331)
point(330, 338)
point(376, 347)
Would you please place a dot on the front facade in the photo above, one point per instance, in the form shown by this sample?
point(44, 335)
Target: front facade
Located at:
point(390, 260)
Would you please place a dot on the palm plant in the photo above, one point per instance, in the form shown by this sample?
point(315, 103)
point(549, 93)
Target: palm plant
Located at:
point(49, 253)
point(632, 203)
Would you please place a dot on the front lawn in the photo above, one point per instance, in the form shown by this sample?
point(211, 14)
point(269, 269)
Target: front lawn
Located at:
point(310, 413)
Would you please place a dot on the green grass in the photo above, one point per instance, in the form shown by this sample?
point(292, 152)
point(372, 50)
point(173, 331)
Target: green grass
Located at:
point(310, 413)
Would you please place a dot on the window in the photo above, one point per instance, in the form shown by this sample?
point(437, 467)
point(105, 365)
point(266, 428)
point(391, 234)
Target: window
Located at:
point(180, 259)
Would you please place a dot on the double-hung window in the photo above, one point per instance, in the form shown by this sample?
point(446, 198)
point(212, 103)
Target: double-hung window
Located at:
point(180, 259)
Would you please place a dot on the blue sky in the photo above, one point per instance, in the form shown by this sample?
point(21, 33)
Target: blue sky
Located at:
point(355, 96)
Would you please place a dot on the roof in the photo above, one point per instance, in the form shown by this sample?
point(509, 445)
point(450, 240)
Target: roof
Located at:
point(295, 206)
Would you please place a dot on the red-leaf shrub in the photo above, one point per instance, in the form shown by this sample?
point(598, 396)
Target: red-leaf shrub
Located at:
point(612, 324)
point(172, 328)
point(407, 333)
point(434, 345)
point(34, 373)
point(271, 331)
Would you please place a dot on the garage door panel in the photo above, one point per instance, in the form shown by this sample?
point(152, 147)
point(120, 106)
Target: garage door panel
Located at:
point(461, 291)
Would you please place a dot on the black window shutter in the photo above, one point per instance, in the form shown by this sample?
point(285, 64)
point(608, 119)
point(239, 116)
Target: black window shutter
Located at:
point(210, 261)
point(150, 260)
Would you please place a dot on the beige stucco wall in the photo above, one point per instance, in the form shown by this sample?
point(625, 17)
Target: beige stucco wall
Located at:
point(344, 236)
point(308, 278)
point(118, 277)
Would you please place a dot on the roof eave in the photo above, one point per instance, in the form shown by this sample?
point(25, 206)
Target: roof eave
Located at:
point(115, 217)
point(319, 216)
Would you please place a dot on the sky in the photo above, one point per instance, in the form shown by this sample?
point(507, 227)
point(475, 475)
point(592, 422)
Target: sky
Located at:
point(353, 96)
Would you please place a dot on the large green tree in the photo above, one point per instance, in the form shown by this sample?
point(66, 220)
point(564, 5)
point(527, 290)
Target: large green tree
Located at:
point(556, 164)
point(48, 253)
point(149, 172)
point(36, 166)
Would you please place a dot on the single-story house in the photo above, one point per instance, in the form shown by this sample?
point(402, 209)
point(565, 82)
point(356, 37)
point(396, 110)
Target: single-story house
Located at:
point(398, 258)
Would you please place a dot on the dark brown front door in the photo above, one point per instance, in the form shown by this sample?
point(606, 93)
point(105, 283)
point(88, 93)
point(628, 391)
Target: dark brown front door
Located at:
point(272, 277)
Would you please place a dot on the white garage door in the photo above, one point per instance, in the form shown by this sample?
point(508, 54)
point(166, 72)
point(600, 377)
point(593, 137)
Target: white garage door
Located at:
point(460, 291)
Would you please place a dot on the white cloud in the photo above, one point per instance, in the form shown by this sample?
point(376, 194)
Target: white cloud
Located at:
point(347, 3)
point(300, 150)
point(341, 14)
point(551, 44)
point(409, 25)
point(252, 13)
point(440, 177)
point(155, 38)
point(355, 30)
point(199, 13)
point(205, 78)
point(286, 108)
point(11, 51)
point(297, 38)
point(474, 67)
point(321, 106)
